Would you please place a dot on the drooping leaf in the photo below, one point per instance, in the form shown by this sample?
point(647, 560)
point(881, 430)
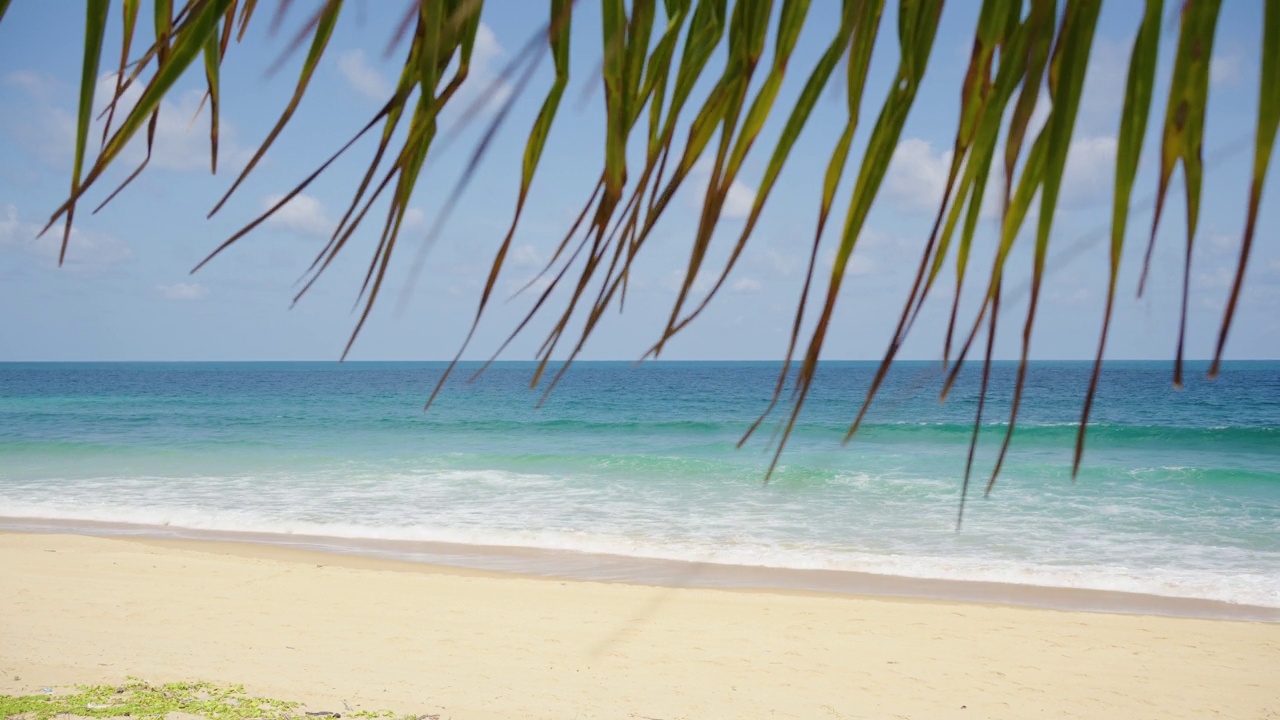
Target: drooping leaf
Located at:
point(189, 41)
point(917, 27)
point(1183, 136)
point(859, 25)
point(732, 151)
point(130, 8)
point(320, 41)
point(1066, 82)
point(95, 25)
point(796, 122)
point(163, 23)
point(977, 89)
point(1133, 130)
point(212, 61)
point(982, 401)
point(1040, 31)
point(708, 23)
point(558, 35)
point(1268, 120)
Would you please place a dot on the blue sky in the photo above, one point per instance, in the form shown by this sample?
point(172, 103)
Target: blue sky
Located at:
point(125, 292)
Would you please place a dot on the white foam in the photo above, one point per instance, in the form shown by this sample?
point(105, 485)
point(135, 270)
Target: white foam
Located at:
point(1226, 584)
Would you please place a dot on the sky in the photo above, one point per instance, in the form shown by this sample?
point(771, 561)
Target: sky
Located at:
point(126, 291)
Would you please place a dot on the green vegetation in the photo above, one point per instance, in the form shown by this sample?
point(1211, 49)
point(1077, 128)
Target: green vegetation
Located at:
point(141, 701)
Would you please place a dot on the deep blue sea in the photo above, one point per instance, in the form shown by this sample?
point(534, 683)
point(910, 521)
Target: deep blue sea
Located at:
point(1179, 494)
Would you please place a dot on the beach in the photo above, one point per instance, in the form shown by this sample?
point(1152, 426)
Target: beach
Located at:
point(305, 530)
point(344, 633)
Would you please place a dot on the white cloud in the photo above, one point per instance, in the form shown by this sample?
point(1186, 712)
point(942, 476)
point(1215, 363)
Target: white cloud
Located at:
point(1222, 243)
point(525, 256)
point(303, 214)
point(1073, 297)
point(414, 219)
point(1104, 84)
point(484, 90)
point(860, 264)
point(34, 84)
point(87, 251)
point(183, 291)
point(1215, 278)
point(486, 49)
point(1090, 170)
point(1224, 70)
point(535, 285)
point(362, 77)
point(776, 262)
point(47, 127)
point(674, 280)
point(877, 254)
point(1039, 117)
point(182, 130)
point(746, 285)
point(737, 202)
point(917, 176)
point(43, 129)
point(483, 76)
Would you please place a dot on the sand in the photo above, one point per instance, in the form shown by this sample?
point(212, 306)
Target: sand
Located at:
point(339, 633)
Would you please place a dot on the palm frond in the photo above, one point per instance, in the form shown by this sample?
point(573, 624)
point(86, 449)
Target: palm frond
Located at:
point(1133, 131)
point(1268, 120)
point(1183, 137)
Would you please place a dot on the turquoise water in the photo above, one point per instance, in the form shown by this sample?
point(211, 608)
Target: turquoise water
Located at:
point(1179, 494)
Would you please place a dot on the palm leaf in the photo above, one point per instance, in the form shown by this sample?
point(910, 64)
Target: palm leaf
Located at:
point(1066, 82)
point(1268, 120)
point(95, 25)
point(320, 40)
point(130, 8)
point(1183, 136)
point(1133, 130)
point(993, 24)
point(558, 33)
point(212, 61)
point(917, 26)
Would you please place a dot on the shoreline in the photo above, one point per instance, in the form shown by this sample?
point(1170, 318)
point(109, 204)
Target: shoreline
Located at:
point(345, 633)
point(534, 563)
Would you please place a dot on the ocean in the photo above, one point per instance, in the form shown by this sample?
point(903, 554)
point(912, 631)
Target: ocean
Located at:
point(1179, 494)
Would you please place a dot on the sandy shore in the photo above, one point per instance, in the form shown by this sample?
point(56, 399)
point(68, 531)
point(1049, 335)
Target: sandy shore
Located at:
point(328, 630)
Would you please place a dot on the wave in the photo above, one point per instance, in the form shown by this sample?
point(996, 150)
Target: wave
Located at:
point(651, 435)
point(1025, 431)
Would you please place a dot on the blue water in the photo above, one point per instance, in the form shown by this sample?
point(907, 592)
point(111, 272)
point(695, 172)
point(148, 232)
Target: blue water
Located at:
point(1179, 494)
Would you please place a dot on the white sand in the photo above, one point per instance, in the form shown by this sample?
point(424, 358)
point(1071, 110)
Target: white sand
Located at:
point(327, 629)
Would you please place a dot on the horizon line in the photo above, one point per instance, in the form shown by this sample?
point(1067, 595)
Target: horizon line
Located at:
point(778, 361)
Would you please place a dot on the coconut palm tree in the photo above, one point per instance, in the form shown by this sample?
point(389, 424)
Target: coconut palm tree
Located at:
point(1025, 53)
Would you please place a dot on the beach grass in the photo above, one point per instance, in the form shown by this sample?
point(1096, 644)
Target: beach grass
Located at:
point(140, 700)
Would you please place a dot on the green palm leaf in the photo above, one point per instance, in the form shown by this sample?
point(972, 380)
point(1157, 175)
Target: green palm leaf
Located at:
point(1183, 137)
point(1268, 121)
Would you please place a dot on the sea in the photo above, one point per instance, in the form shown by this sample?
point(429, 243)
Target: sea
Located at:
point(628, 465)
